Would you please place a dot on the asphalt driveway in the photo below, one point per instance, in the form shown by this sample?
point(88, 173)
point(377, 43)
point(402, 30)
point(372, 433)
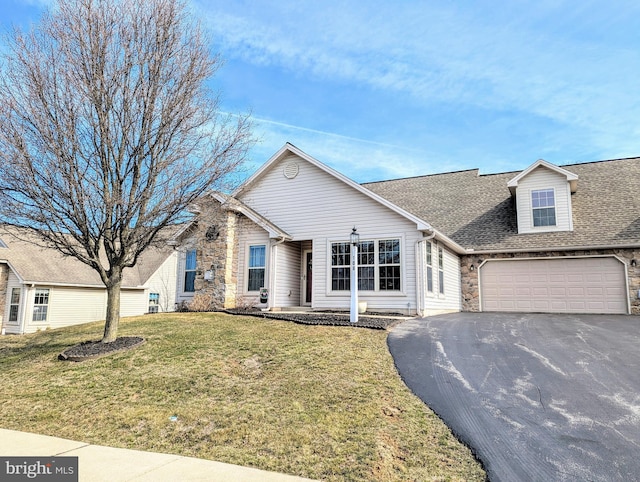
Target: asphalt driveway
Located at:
point(537, 397)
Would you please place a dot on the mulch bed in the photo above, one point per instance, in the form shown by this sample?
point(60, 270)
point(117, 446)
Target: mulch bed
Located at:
point(323, 318)
point(90, 350)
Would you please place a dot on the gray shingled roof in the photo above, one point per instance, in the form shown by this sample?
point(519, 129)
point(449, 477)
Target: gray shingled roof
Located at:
point(42, 265)
point(478, 211)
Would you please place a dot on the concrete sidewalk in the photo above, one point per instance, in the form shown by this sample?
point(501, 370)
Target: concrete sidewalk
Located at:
point(97, 463)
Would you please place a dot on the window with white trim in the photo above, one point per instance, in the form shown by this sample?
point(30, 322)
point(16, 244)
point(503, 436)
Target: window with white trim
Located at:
point(190, 271)
point(14, 306)
point(429, 268)
point(440, 270)
point(366, 266)
point(257, 266)
point(340, 266)
point(379, 265)
point(543, 207)
point(41, 304)
point(389, 258)
point(154, 302)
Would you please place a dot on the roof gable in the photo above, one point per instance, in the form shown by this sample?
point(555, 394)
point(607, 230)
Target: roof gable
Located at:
point(570, 176)
point(289, 149)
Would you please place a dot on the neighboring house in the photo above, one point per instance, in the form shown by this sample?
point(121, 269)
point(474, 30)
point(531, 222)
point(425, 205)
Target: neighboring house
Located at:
point(547, 239)
point(40, 288)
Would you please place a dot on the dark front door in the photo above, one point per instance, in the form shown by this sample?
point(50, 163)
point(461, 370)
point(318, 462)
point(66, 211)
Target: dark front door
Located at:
point(308, 276)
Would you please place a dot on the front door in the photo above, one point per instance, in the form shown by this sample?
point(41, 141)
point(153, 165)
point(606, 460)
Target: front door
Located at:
point(307, 277)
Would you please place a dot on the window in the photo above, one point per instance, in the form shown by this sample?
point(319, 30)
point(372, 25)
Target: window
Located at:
point(256, 267)
point(429, 269)
point(190, 271)
point(340, 266)
point(378, 266)
point(154, 302)
point(366, 266)
point(41, 305)
point(543, 205)
point(14, 305)
point(440, 270)
point(389, 257)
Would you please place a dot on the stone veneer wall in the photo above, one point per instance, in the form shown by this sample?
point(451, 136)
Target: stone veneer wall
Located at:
point(220, 255)
point(469, 279)
point(4, 279)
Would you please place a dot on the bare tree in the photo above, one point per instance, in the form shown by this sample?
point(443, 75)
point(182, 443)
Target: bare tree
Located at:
point(108, 131)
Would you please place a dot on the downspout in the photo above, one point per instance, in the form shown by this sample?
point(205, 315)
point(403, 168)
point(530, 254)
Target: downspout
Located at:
point(273, 272)
point(420, 297)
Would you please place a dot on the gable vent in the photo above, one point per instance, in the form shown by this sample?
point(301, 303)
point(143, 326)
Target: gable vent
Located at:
point(291, 170)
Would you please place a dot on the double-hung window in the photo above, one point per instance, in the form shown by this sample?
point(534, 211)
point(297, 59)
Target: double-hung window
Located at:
point(379, 265)
point(257, 264)
point(367, 266)
point(41, 304)
point(389, 258)
point(340, 266)
point(544, 207)
point(14, 306)
point(429, 268)
point(154, 302)
point(190, 271)
point(440, 270)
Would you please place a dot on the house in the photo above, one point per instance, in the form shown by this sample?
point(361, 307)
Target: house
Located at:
point(546, 239)
point(40, 288)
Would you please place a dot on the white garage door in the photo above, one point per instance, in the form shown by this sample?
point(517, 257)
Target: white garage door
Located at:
point(559, 285)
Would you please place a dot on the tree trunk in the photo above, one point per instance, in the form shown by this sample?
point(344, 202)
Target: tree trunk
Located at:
point(113, 309)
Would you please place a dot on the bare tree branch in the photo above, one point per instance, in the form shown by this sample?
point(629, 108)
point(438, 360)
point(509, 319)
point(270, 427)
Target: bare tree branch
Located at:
point(109, 130)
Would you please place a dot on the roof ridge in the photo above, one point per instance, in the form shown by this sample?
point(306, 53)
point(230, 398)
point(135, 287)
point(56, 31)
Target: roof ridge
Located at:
point(601, 161)
point(424, 175)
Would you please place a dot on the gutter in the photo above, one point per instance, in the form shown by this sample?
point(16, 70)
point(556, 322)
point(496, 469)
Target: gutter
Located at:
point(471, 251)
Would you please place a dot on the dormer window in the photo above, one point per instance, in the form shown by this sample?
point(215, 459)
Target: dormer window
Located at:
point(544, 207)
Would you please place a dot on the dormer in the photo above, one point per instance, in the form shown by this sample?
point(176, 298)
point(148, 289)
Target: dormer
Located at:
point(543, 198)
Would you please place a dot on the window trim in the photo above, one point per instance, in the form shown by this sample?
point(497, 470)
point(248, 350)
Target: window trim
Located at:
point(429, 265)
point(539, 208)
point(154, 302)
point(263, 267)
point(441, 290)
point(191, 270)
point(41, 305)
point(15, 305)
point(377, 265)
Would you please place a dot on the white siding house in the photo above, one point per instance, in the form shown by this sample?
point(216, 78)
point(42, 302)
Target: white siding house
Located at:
point(45, 290)
point(317, 208)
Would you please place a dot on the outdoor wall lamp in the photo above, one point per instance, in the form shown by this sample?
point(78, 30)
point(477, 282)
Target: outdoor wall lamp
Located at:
point(354, 238)
point(633, 263)
point(472, 267)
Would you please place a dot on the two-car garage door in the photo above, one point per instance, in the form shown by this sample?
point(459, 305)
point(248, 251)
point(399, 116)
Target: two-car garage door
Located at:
point(558, 285)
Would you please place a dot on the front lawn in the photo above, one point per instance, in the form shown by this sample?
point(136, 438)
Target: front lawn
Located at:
point(316, 401)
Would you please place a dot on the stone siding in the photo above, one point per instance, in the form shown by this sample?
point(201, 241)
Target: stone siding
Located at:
point(469, 277)
point(215, 240)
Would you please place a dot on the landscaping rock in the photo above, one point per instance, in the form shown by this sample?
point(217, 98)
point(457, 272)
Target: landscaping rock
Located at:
point(323, 318)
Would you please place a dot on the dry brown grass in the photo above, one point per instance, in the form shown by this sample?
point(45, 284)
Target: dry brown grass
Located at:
point(321, 402)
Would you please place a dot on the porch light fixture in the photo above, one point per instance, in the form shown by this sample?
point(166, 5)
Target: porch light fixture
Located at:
point(354, 238)
point(472, 267)
point(633, 263)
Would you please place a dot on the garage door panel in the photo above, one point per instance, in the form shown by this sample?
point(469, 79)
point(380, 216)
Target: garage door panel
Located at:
point(563, 285)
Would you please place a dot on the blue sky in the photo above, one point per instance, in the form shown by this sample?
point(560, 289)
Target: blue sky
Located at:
point(382, 89)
